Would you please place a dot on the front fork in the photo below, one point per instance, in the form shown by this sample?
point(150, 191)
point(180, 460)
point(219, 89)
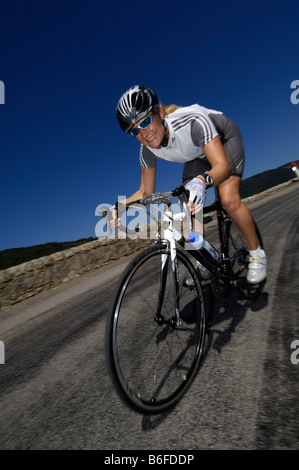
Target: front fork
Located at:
point(170, 257)
point(165, 259)
point(176, 284)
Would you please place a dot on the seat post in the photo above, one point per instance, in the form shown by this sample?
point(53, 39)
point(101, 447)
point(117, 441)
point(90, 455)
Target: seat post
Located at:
point(217, 198)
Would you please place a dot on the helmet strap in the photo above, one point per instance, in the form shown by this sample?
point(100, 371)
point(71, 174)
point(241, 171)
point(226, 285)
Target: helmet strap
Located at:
point(165, 138)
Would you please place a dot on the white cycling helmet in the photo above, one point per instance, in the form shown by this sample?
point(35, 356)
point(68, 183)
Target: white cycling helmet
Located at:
point(134, 104)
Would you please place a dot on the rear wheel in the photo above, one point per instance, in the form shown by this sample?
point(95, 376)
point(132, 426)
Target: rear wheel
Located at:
point(152, 358)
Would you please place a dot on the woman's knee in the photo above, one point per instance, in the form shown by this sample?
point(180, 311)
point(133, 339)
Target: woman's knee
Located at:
point(231, 203)
point(229, 192)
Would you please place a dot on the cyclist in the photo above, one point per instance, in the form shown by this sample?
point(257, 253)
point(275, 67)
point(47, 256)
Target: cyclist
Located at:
point(210, 145)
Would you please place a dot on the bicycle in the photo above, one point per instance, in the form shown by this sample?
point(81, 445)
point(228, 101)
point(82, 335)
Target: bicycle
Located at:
point(156, 325)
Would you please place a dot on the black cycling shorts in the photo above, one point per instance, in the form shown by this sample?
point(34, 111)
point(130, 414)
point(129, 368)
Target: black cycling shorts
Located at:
point(233, 146)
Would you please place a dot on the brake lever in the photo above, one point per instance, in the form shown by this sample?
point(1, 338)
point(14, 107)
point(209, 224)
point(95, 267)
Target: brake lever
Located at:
point(183, 195)
point(106, 213)
point(121, 209)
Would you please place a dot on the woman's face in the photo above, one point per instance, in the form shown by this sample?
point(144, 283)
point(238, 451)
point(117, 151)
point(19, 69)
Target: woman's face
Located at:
point(153, 135)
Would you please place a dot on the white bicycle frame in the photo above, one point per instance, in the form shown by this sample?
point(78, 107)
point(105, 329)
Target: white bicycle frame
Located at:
point(171, 235)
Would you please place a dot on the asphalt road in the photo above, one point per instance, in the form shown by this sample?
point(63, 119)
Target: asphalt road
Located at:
point(55, 392)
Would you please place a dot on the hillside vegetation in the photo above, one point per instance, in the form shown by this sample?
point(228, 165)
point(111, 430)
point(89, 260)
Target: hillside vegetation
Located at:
point(265, 180)
point(15, 256)
point(250, 186)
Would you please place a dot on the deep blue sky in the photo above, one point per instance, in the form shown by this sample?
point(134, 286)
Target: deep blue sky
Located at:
point(66, 63)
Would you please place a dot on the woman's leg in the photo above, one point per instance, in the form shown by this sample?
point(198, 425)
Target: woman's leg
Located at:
point(229, 192)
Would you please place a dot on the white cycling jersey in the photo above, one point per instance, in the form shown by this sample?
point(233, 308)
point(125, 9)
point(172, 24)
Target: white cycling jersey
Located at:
point(190, 129)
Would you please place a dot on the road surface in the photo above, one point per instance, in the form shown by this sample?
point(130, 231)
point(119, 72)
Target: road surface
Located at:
point(55, 392)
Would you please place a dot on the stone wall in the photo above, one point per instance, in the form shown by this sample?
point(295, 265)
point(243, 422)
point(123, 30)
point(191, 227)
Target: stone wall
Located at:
point(27, 279)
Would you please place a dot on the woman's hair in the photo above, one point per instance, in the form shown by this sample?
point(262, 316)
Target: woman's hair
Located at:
point(170, 108)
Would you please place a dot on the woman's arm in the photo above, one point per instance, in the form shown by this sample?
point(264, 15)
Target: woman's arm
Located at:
point(147, 187)
point(215, 154)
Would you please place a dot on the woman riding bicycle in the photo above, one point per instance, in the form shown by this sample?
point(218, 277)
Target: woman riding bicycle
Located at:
point(209, 144)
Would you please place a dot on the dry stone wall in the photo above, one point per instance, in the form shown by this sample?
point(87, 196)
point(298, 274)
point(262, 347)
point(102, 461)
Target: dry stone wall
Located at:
point(27, 279)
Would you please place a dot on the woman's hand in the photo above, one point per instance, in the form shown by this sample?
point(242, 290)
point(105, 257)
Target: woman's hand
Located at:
point(115, 222)
point(197, 194)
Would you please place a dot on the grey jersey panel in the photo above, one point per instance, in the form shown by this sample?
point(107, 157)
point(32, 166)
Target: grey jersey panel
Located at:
point(146, 157)
point(201, 131)
point(231, 139)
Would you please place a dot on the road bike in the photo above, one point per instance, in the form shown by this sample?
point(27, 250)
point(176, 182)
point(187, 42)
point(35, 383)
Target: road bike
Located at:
point(157, 323)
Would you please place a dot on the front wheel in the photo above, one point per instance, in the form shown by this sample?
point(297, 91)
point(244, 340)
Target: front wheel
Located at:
point(239, 260)
point(152, 355)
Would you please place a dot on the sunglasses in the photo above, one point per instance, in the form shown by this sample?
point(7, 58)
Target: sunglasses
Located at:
point(143, 125)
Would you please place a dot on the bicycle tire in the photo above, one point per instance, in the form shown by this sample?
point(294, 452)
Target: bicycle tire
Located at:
point(152, 365)
point(239, 260)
